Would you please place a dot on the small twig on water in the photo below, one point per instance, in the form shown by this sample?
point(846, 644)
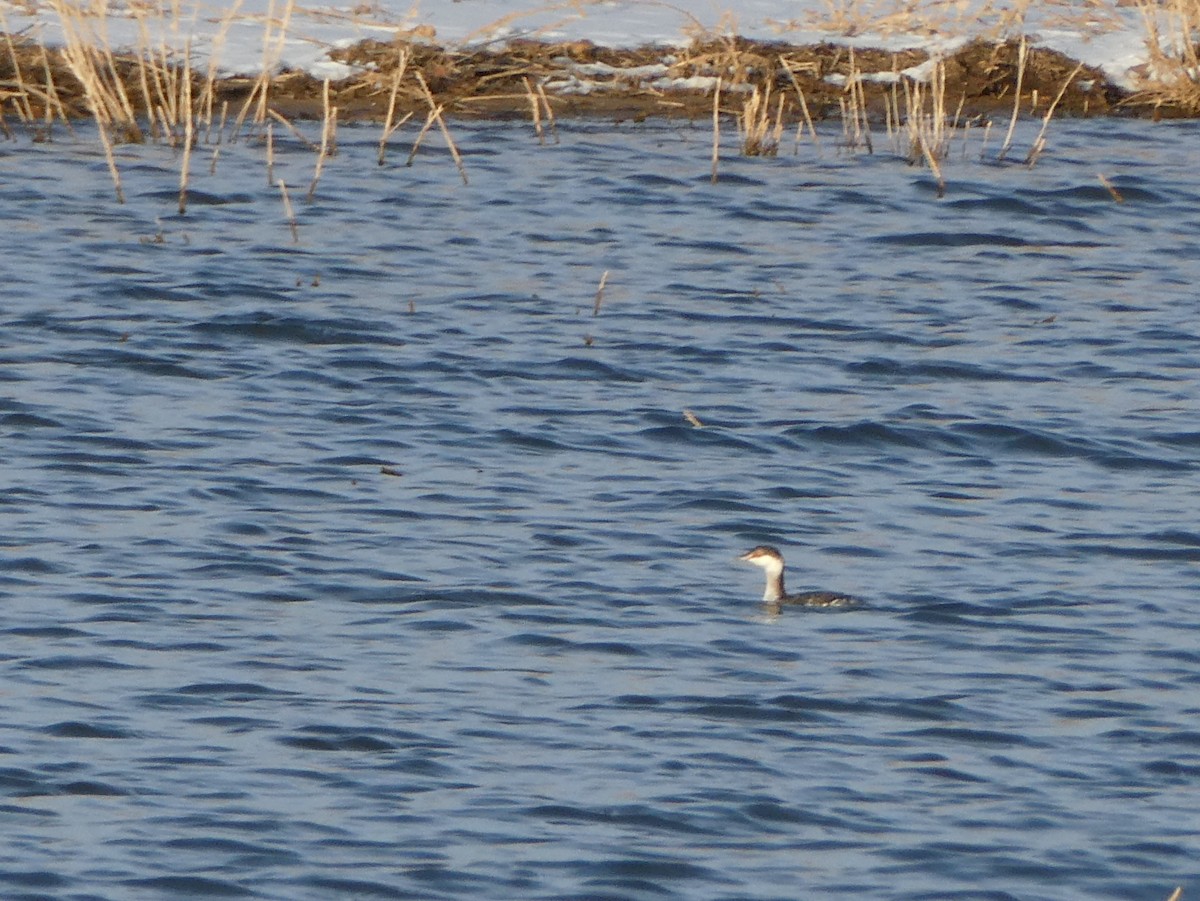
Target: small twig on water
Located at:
point(1112, 189)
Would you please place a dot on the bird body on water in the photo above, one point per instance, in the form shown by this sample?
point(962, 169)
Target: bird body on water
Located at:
point(775, 595)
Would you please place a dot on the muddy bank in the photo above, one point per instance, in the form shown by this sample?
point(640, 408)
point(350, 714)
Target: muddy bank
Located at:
point(580, 78)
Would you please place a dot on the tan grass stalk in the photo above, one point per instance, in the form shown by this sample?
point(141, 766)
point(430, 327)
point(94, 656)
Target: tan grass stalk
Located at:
point(281, 38)
point(716, 129)
point(128, 117)
point(1110, 187)
point(289, 212)
point(48, 109)
point(758, 136)
point(803, 105)
point(987, 133)
point(91, 61)
point(160, 119)
point(270, 153)
point(21, 100)
point(296, 133)
point(188, 133)
point(435, 115)
point(863, 127)
point(52, 91)
point(1039, 143)
point(112, 163)
point(1174, 59)
point(412, 154)
point(207, 98)
point(851, 123)
point(144, 76)
point(600, 293)
point(891, 112)
point(328, 128)
point(925, 121)
point(251, 98)
point(535, 111)
point(388, 127)
point(185, 104)
point(548, 111)
point(1022, 51)
point(188, 128)
point(934, 166)
point(272, 51)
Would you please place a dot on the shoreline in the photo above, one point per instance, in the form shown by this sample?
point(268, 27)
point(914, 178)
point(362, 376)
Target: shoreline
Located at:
point(531, 78)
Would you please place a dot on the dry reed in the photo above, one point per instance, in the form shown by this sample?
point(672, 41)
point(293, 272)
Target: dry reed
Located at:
point(272, 51)
point(758, 136)
point(862, 127)
point(328, 139)
point(111, 160)
point(435, 116)
point(296, 133)
point(188, 130)
point(807, 117)
point(716, 129)
point(925, 122)
point(90, 58)
point(1039, 143)
point(388, 127)
point(289, 211)
point(52, 97)
point(535, 111)
point(1022, 54)
point(21, 99)
point(1110, 187)
point(1172, 28)
point(600, 293)
point(549, 111)
point(208, 95)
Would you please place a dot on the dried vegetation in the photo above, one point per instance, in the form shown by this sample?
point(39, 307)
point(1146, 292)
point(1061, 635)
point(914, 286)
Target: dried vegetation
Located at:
point(157, 91)
point(1172, 73)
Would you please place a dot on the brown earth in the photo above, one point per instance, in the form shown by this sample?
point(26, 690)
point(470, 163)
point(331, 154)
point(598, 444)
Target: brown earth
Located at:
point(981, 80)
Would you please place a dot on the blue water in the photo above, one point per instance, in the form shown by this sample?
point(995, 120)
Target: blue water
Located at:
point(378, 566)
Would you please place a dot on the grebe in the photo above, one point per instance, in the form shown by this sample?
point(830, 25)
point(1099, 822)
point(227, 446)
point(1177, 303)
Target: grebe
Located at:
point(771, 561)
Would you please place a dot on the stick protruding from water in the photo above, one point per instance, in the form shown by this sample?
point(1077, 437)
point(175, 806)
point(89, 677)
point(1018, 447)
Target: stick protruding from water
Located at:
point(600, 293)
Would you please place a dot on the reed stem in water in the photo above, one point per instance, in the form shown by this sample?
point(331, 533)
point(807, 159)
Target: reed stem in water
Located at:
point(600, 293)
point(289, 211)
point(388, 127)
point(716, 129)
point(1022, 50)
point(1039, 143)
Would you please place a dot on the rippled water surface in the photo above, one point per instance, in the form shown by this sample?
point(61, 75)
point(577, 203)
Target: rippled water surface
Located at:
point(377, 565)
